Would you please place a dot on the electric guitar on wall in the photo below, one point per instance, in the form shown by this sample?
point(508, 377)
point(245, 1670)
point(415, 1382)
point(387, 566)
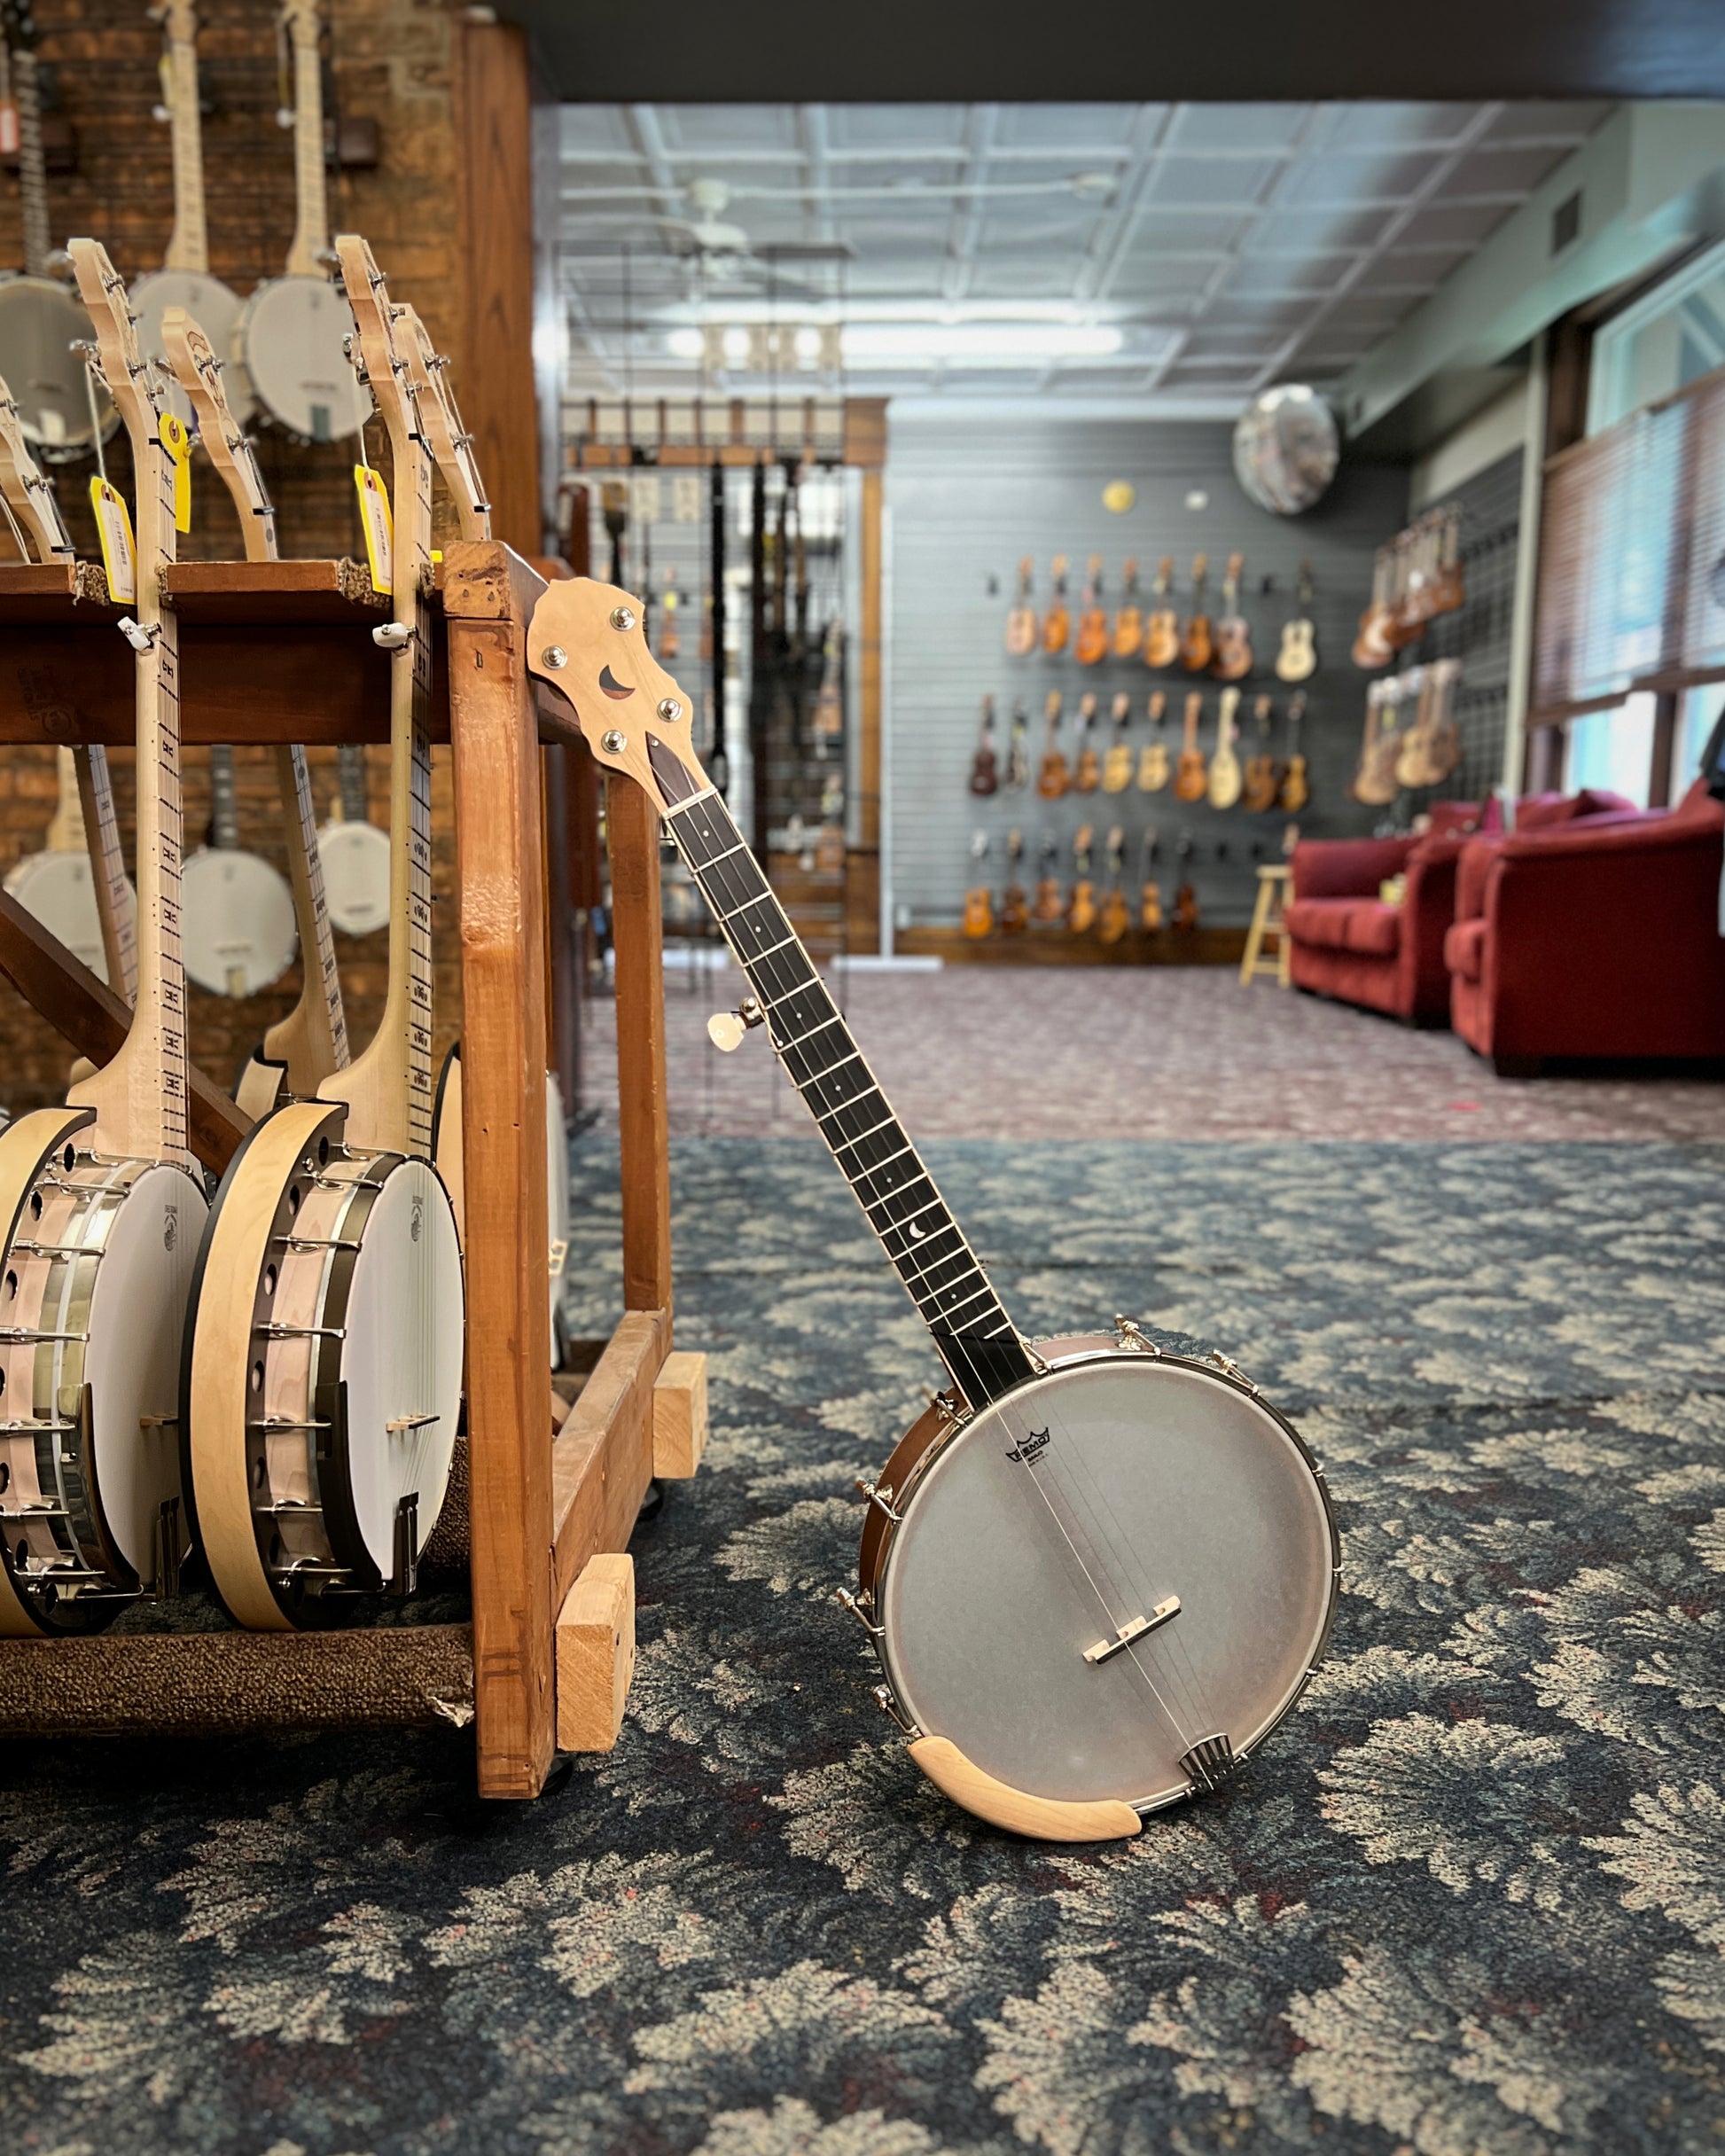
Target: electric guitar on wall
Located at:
point(1056, 623)
point(1021, 622)
point(1052, 776)
point(1117, 765)
point(1193, 776)
point(1232, 661)
point(1014, 907)
point(979, 898)
point(1081, 906)
point(1130, 621)
point(1153, 757)
point(1162, 630)
point(1297, 659)
point(1225, 779)
point(1092, 644)
point(985, 766)
point(1196, 647)
point(1087, 766)
point(1195, 1622)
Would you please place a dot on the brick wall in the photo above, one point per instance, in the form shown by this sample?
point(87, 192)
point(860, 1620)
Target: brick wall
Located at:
point(388, 61)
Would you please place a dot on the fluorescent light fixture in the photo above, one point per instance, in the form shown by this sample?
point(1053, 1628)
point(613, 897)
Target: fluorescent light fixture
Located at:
point(735, 343)
point(685, 344)
point(879, 345)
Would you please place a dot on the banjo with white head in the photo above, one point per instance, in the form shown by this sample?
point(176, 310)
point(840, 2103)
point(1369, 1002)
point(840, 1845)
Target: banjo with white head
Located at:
point(354, 853)
point(238, 930)
point(41, 325)
point(1098, 1575)
point(323, 1382)
point(292, 334)
point(185, 279)
point(99, 1206)
point(310, 1043)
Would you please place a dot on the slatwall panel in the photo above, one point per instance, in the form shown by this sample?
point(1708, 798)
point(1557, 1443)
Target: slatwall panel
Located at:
point(968, 499)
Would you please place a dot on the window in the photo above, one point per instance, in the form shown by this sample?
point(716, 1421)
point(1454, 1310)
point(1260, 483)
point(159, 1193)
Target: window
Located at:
point(1613, 750)
point(1663, 342)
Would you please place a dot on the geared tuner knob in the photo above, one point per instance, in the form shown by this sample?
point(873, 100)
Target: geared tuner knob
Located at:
point(725, 1029)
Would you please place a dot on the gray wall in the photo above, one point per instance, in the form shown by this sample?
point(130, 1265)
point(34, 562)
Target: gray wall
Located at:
point(967, 499)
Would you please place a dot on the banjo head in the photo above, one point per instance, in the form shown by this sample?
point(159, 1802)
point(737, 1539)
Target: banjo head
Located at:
point(237, 933)
point(1045, 1527)
point(215, 309)
point(292, 339)
point(40, 322)
point(60, 891)
point(356, 864)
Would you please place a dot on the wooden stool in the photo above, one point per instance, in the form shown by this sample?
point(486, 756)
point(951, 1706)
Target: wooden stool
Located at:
point(1266, 920)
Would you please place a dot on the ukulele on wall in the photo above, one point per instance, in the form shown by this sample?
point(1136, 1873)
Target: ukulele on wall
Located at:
point(1149, 893)
point(979, 898)
point(1014, 908)
point(1162, 629)
point(1130, 621)
point(1052, 776)
point(985, 765)
point(102, 1207)
point(1232, 661)
point(1017, 752)
point(1092, 643)
point(1295, 791)
point(1057, 623)
point(1262, 780)
point(1073, 1728)
point(1021, 622)
point(1191, 777)
point(1082, 907)
point(1153, 757)
point(1117, 764)
point(1116, 916)
point(1185, 898)
point(1225, 779)
point(1047, 909)
point(1297, 660)
point(1087, 765)
point(1196, 646)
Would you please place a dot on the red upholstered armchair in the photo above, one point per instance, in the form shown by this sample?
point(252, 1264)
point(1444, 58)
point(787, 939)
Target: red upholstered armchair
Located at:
point(1343, 941)
point(1598, 938)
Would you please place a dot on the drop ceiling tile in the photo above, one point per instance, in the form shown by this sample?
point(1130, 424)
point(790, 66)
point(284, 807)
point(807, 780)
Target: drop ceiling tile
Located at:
point(1211, 180)
point(1168, 228)
point(1532, 121)
point(1348, 177)
point(1272, 318)
point(593, 126)
point(1043, 129)
point(1503, 172)
point(885, 126)
point(598, 176)
point(1281, 273)
point(1034, 227)
point(1008, 279)
point(1156, 278)
point(692, 129)
point(1422, 269)
point(1447, 225)
point(889, 277)
point(1197, 128)
point(1279, 231)
point(1390, 126)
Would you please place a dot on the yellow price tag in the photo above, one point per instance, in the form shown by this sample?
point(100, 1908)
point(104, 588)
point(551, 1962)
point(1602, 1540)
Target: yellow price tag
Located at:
point(113, 527)
point(177, 439)
point(380, 530)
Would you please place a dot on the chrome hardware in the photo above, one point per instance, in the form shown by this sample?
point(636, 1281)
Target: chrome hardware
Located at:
point(623, 617)
point(725, 1029)
point(1229, 1367)
point(410, 1422)
point(859, 1606)
point(1210, 1761)
point(612, 742)
point(392, 635)
point(303, 1333)
point(553, 657)
point(1135, 1627)
point(670, 710)
point(1129, 1336)
point(881, 1494)
point(884, 1700)
point(140, 639)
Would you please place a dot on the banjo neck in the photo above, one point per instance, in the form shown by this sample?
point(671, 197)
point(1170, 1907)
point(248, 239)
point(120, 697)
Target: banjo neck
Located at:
point(586, 641)
point(115, 907)
point(188, 244)
point(32, 166)
point(311, 228)
point(140, 1097)
point(388, 1090)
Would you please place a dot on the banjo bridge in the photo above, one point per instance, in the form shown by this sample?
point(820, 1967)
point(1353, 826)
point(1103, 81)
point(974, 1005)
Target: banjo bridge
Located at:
point(1135, 1627)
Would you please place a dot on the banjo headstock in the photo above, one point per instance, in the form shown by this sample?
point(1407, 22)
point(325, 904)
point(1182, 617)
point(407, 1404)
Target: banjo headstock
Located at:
point(385, 370)
point(198, 372)
point(129, 379)
point(300, 20)
point(27, 492)
point(178, 19)
point(450, 444)
point(586, 641)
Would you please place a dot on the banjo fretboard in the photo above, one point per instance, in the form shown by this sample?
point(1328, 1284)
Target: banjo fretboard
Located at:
point(976, 1338)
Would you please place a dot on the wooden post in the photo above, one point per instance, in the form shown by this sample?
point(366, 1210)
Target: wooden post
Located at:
point(488, 594)
point(643, 1120)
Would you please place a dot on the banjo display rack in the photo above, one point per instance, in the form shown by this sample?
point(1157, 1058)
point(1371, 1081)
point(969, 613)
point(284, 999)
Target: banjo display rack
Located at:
point(282, 651)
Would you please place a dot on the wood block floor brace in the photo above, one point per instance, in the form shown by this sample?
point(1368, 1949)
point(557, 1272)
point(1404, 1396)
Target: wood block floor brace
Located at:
point(595, 1655)
point(680, 1416)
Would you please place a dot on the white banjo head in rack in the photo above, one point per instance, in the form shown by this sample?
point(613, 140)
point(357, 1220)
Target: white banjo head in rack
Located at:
point(356, 858)
point(57, 885)
point(41, 327)
point(292, 340)
point(237, 926)
point(216, 310)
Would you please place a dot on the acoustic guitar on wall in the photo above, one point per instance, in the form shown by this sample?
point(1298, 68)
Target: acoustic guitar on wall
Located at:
point(1014, 907)
point(1162, 627)
point(1225, 777)
point(1021, 623)
point(979, 898)
point(1047, 909)
point(1116, 915)
point(1130, 621)
point(1262, 779)
point(1295, 789)
point(1092, 641)
point(1232, 661)
point(1197, 645)
point(985, 765)
point(1087, 765)
point(1297, 658)
point(1185, 897)
point(1150, 917)
point(1056, 623)
point(1191, 777)
point(1117, 764)
point(1052, 775)
point(1153, 757)
point(1082, 907)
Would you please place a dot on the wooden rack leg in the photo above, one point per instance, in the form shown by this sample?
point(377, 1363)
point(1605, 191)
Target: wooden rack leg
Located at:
point(488, 594)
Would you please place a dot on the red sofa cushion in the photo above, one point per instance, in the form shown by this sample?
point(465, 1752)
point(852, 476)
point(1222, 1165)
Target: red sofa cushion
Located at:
point(1464, 949)
point(1347, 868)
point(1365, 925)
point(1451, 817)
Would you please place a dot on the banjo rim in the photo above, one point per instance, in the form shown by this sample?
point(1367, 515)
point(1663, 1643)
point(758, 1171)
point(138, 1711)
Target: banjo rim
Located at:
point(245, 337)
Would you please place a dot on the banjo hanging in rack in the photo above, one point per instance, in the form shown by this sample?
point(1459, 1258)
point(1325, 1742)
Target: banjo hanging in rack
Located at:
point(185, 279)
point(310, 1043)
point(1096, 1575)
point(100, 1209)
point(42, 324)
point(292, 335)
point(323, 1382)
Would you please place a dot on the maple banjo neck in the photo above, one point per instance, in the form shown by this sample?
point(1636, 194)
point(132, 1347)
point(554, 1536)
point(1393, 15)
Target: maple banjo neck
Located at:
point(1167, 1528)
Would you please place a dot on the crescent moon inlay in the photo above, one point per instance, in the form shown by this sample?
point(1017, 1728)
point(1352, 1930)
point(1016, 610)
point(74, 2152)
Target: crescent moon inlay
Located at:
point(612, 686)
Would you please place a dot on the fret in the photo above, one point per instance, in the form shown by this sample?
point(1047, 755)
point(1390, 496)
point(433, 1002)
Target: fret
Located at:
point(878, 1164)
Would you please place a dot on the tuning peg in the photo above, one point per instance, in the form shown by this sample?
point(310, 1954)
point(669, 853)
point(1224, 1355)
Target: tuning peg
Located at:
point(725, 1029)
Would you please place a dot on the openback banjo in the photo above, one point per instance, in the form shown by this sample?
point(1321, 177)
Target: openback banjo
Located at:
point(99, 1208)
point(323, 1382)
point(291, 339)
point(1096, 1575)
point(310, 1043)
point(184, 280)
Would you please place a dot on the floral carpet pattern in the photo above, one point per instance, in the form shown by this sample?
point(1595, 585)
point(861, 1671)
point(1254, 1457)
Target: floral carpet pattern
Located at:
point(1469, 1902)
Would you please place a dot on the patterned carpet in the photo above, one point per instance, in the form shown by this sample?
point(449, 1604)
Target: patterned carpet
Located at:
point(1467, 1903)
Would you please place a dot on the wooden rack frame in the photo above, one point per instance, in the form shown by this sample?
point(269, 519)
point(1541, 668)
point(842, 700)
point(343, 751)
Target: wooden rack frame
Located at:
point(281, 652)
